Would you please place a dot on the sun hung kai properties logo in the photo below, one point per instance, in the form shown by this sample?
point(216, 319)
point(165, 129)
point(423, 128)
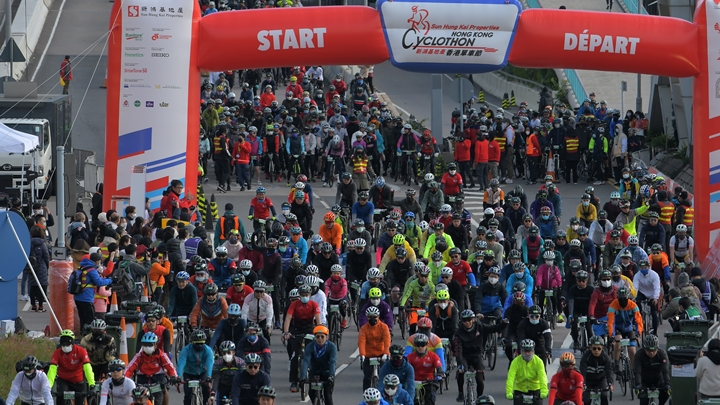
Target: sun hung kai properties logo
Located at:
point(446, 39)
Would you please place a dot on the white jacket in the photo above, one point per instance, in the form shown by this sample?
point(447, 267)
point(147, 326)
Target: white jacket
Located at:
point(121, 394)
point(33, 392)
point(250, 309)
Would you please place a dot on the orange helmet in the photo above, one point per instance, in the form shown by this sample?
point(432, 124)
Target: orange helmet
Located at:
point(567, 358)
point(321, 329)
point(329, 217)
point(424, 322)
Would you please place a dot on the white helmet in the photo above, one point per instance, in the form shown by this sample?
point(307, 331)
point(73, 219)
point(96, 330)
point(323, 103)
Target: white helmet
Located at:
point(336, 139)
point(373, 272)
point(429, 177)
point(489, 211)
point(681, 228)
point(221, 250)
point(446, 271)
point(299, 185)
point(424, 226)
point(445, 208)
point(231, 96)
point(633, 240)
point(372, 395)
point(246, 264)
point(615, 195)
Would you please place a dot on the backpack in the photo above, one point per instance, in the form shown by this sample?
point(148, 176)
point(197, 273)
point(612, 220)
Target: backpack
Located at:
point(229, 225)
point(122, 283)
point(33, 259)
point(75, 285)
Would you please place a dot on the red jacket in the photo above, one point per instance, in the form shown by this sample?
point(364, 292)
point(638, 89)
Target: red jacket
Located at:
point(266, 99)
point(453, 184)
point(167, 202)
point(493, 151)
point(462, 151)
point(481, 151)
point(296, 90)
point(340, 86)
point(600, 301)
point(241, 152)
point(566, 388)
point(156, 363)
point(66, 70)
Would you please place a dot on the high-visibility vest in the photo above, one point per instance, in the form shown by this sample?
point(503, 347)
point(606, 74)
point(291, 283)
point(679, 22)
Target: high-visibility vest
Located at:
point(360, 165)
point(666, 212)
point(218, 144)
point(236, 225)
point(104, 252)
point(571, 145)
point(530, 149)
point(689, 216)
point(501, 140)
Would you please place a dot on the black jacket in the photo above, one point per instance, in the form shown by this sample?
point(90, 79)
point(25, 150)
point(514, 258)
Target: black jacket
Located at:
point(459, 236)
point(539, 333)
point(304, 216)
point(597, 371)
point(652, 371)
point(471, 343)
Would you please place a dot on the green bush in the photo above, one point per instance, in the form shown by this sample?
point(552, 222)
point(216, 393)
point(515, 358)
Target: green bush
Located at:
point(14, 349)
point(545, 77)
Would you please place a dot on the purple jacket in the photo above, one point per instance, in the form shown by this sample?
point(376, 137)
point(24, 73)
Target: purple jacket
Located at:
point(386, 315)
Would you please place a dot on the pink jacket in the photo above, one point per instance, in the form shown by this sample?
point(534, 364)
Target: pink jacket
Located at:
point(101, 302)
point(545, 281)
point(336, 290)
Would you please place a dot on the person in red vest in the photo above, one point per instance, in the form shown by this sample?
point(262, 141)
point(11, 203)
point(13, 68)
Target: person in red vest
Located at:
point(532, 152)
point(66, 75)
point(493, 157)
point(462, 156)
point(241, 155)
point(480, 165)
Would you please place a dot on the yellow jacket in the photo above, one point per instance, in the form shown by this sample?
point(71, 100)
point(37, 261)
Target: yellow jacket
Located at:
point(389, 256)
point(526, 376)
point(430, 246)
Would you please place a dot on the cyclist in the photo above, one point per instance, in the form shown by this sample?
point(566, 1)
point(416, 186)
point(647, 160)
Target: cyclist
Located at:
point(266, 395)
point(224, 370)
point(621, 313)
point(444, 315)
point(392, 392)
point(521, 274)
point(627, 267)
point(358, 230)
point(438, 235)
point(436, 264)
point(260, 208)
point(491, 295)
point(452, 183)
point(419, 292)
point(359, 263)
point(548, 277)
point(456, 291)
point(299, 322)
point(648, 288)
point(152, 325)
point(100, 347)
point(212, 308)
point(331, 232)
point(373, 281)
point(410, 204)
point(427, 365)
point(372, 396)
point(526, 376)
point(600, 300)
point(432, 200)
point(532, 246)
point(390, 254)
point(399, 366)
point(70, 368)
point(515, 313)
point(620, 280)
point(375, 301)
point(118, 387)
point(363, 208)
point(201, 278)
point(196, 363)
point(319, 362)
point(298, 242)
point(373, 341)
point(568, 384)
point(613, 246)
point(660, 264)
point(347, 194)
point(33, 388)
point(231, 328)
point(578, 303)
point(239, 290)
point(259, 309)
point(651, 370)
point(399, 270)
point(681, 245)
point(469, 344)
point(458, 232)
point(221, 268)
point(325, 260)
point(586, 212)
point(336, 290)
point(141, 396)
point(253, 343)
point(183, 296)
point(152, 366)
point(246, 383)
point(596, 368)
point(538, 330)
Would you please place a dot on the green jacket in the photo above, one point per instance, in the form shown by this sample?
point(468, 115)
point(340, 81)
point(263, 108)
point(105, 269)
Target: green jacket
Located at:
point(526, 376)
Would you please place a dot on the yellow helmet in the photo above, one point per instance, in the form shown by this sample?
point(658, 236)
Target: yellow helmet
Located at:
point(442, 295)
point(375, 293)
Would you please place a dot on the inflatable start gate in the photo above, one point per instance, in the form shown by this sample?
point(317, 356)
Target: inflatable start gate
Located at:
point(157, 48)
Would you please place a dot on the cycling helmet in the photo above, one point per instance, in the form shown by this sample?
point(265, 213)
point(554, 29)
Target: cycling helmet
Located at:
point(651, 342)
point(445, 208)
point(433, 184)
point(519, 286)
point(422, 270)
point(518, 296)
point(321, 329)
point(438, 226)
point(395, 215)
point(294, 293)
point(375, 293)
point(561, 234)
point(581, 275)
point(113, 364)
point(602, 214)
point(391, 380)
point(221, 251)
point(304, 289)
point(398, 239)
point(227, 346)
point(266, 391)
point(346, 176)
point(336, 268)
point(409, 192)
point(515, 254)
point(549, 244)
point(140, 392)
point(201, 266)
point(615, 233)
point(360, 242)
point(518, 266)
point(296, 230)
point(296, 262)
point(300, 194)
point(534, 310)
point(446, 271)
point(441, 286)
point(363, 195)
point(299, 280)
point(372, 395)
point(429, 177)
point(485, 399)
point(480, 245)
point(643, 263)
point(442, 295)
point(259, 286)
point(238, 279)
point(248, 237)
point(582, 231)
point(589, 190)
point(246, 264)
point(623, 293)
point(605, 274)
point(291, 217)
point(436, 256)
point(329, 217)
point(210, 289)
point(596, 340)
point(633, 240)
point(149, 337)
point(272, 243)
point(534, 230)
point(575, 243)
point(183, 275)
point(467, 314)
point(31, 363)
point(380, 182)
point(494, 183)
point(424, 226)
point(351, 244)
point(253, 358)
point(98, 324)
point(400, 252)
point(420, 339)
point(357, 223)
point(312, 281)
point(373, 272)
point(527, 344)
point(653, 214)
point(575, 264)
point(234, 310)
point(567, 358)
point(549, 255)
point(493, 270)
point(455, 251)
point(681, 228)
point(656, 247)
point(372, 311)
point(397, 350)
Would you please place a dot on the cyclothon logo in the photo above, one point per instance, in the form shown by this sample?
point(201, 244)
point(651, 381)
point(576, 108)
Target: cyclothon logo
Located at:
point(156, 37)
point(133, 11)
point(600, 43)
point(450, 40)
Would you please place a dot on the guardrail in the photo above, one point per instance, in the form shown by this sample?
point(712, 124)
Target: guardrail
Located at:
point(511, 78)
point(631, 7)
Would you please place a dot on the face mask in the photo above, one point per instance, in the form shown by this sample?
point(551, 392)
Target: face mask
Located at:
point(452, 172)
point(575, 227)
point(409, 224)
point(519, 274)
point(396, 363)
point(246, 272)
point(391, 391)
point(557, 125)
point(198, 347)
point(437, 264)
point(623, 302)
point(67, 349)
point(625, 264)
point(527, 357)
point(360, 229)
point(443, 305)
point(30, 376)
point(534, 321)
point(375, 301)
point(626, 176)
point(373, 321)
point(282, 249)
point(200, 279)
point(148, 350)
point(98, 335)
point(616, 278)
point(586, 203)
point(360, 82)
point(606, 283)
point(252, 338)
point(644, 271)
point(493, 280)
point(228, 357)
point(304, 300)
point(546, 217)
point(335, 277)
point(533, 237)
point(549, 262)
point(295, 238)
point(548, 183)
point(285, 212)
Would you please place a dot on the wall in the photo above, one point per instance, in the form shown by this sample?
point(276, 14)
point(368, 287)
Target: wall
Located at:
point(496, 85)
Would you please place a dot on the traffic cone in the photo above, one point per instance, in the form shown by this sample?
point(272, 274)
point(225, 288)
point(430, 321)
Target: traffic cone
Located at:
point(113, 303)
point(512, 98)
point(123, 352)
point(104, 85)
point(481, 97)
point(551, 166)
point(145, 297)
point(214, 207)
point(505, 101)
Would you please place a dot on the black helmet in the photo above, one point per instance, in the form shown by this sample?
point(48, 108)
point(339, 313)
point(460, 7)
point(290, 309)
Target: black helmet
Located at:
point(397, 350)
point(30, 363)
point(210, 289)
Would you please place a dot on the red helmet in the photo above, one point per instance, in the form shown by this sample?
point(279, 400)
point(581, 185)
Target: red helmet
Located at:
point(424, 323)
point(302, 178)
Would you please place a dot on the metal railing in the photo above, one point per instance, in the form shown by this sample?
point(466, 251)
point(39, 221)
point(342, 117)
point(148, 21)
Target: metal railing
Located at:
point(80, 156)
point(575, 84)
point(631, 7)
point(511, 78)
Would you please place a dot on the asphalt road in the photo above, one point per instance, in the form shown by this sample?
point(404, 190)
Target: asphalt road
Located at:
point(85, 21)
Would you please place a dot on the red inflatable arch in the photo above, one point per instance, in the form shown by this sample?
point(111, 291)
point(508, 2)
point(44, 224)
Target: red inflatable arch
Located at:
point(156, 54)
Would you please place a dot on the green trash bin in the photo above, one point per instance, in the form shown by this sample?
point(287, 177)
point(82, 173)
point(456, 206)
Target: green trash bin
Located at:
point(132, 326)
point(700, 325)
point(114, 332)
point(684, 339)
point(682, 370)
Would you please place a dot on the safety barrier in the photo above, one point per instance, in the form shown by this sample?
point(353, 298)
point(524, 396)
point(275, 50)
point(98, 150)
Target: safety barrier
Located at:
point(61, 302)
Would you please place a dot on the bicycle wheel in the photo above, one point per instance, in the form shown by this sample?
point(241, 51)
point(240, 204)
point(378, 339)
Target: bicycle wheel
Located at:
point(492, 352)
point(303, 392)
point(317, 400)
point(630, 377)
point(622, 376)
point(583, 340)
point(402, 322)
point(374, 381)
point(470, 392)
point(357, 311)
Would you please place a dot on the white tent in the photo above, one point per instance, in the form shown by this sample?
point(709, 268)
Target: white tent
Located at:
point(12, 141)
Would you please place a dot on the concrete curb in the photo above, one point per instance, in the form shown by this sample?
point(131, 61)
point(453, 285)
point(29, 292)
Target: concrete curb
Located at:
point(26, 30)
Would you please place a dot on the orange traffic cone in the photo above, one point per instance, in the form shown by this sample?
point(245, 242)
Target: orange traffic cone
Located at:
point(114, 303)
point(551, 166)
point(145, 297)
point(123, 352)
point(104, 85)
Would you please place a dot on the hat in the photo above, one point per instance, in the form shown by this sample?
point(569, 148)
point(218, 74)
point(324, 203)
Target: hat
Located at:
point(102, 217)
point(696, 271)
point(95, 257)
point(683, 279)
point(94, 249)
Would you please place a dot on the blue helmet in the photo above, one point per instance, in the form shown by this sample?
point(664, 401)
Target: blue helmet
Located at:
point(260, 190)
point(149, 338)
point(234, 310)
point(410, 214)
point(380, 182)
point(183, 275)
point(316, 239)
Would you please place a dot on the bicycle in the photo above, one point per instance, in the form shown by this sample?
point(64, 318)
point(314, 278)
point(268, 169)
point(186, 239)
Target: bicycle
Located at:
point(549, 309)
point(181, 338)
point(626, 376)
point(353, 306)
point(527, 398)
point(583, 167)
point(319, 387)
point(374, 362)
point(196, 393)
point(401, 319)
point(646, 317)
point(377, 225)
point(582, 334)
point(408, 175)
point(296, 170)
point(154, 388)
point(556, 161)
point(448, 356)
point(261, 239)
point(490, 352)
point(301, 384)
point(596, 395)
point(271, 166)
point(420, 387)
point(330, 177)
point(470, 388)
point(653, 395)
point(335, 325)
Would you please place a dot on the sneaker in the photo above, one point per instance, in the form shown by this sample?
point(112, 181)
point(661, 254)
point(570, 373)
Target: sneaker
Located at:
point(288, 184)
point(259, 183)
point(34, 308)
point(41, 309)
point(228, 188)
point(597, 183)
point(242, 188)
point(221, 189)
point(24, 298)
point(508, 181)
point(279, 179)
point(560, 318)
point(460, 397)
point(277, 325)
point(205, 180)
point(344, 324)
point(293, 387)
point(325, 184)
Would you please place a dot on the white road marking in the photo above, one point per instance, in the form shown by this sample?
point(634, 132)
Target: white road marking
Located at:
point(340, 369)
point(47, 46)
point(355, 354)
point(317, 197)
point(555, 366)
point(26, 308)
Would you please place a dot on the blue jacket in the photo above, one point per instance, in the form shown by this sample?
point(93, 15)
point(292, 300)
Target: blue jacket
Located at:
point(527, 279)
point(401, 397)
point(287, 257)
point(246, 386)
point(324, 365)
point(589, 249)
point(190, 363)
point(221, 275)
point(405, 373)
point(93, 280)
point(301, 247)
point(308, 189)
point(364, 212)
point(380, 141)
point(509, 302)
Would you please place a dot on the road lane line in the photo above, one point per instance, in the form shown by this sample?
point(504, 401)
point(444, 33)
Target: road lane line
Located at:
point(317, 197)
point(340, 369)
point(355, 353)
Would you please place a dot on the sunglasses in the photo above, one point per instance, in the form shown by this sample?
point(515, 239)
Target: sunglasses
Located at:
point(422, 276)
point(446, 277)
point(534, 316)
point(420, 344)
point(253, 366)
point(114, 370)
point(596, 349)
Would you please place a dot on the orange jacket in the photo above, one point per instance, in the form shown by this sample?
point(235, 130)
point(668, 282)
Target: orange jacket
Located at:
point(158, 271)
point(333, 236)
point(374, 341)
point(208, 320)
